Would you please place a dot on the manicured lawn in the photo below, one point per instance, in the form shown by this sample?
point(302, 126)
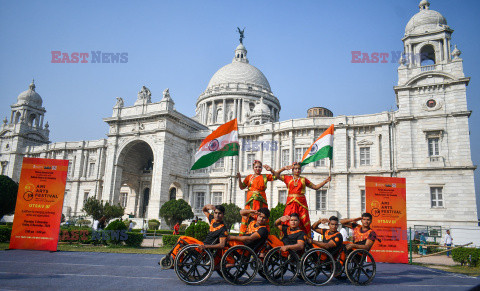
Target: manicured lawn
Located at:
point(470, 271)
point(104, 249)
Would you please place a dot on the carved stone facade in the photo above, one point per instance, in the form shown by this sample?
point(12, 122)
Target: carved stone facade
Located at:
point(146, 159)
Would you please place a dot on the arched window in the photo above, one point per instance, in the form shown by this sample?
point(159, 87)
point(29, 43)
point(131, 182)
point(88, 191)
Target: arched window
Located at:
point(17, 117)
point(427, 55)
point(173, 193)
point(31, 119)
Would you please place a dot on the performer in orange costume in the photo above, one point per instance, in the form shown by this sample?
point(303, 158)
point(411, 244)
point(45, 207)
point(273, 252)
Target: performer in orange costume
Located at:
point(296, 201)
point(257, 184)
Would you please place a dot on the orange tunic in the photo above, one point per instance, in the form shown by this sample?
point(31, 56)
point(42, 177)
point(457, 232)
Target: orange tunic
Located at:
point(296, 200)
point(256, 197)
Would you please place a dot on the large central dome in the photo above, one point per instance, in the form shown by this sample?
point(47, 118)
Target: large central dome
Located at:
point(239, 72)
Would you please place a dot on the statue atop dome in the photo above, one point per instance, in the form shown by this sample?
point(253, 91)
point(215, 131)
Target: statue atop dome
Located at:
point(242, 35)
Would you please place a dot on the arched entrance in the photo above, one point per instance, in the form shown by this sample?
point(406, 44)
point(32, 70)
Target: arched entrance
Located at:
point(135, 169)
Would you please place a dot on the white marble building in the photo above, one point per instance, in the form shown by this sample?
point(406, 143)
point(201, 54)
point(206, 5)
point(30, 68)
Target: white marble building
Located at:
point(146, 158)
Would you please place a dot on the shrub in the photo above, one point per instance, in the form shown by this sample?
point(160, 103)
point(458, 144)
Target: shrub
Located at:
point(153, 224)
point(5, 233)
point(8, 195)
point(190, 231)
point(276, 213)
point(134, 239)
point(232, 215)
point(201, 230)
point(464, 256)
point(116, 225)
point(183, 227)
point(169, 240)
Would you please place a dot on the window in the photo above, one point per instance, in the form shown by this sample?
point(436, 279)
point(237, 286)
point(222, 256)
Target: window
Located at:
point(321, 199)
point(123, 199)
point(282, 196)
point(85, 196)
point(219, 165)
point(364, 156)
point(70, 166)
point(250, 159)
point(4, 167)
point(363, 201)
point(436, 196)
point(285, 158)
point(217, 198)
point(91, 169)
point(433, 146)
point(321, 163)
point(199, 200)
point(299, 152)
point(380, 149)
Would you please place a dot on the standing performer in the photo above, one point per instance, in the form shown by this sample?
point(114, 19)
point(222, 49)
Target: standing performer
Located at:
point(257, 184)
point(296, 201)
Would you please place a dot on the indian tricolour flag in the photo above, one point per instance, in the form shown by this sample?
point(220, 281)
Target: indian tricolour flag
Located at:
point(220, 143)
point(322, 148)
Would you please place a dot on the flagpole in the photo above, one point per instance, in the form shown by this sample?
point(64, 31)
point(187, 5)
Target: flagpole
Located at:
point(329, 172)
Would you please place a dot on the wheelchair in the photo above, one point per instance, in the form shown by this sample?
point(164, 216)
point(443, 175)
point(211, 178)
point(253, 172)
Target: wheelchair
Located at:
point(169, 259)
point(357, 265)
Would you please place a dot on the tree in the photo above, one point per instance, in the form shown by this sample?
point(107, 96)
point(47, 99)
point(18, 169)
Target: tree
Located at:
point(276, 213)
point(232, 215)
point(113, 211)
point(8, 195)
point(97, 209)
point(93, 207)
point(175, 211)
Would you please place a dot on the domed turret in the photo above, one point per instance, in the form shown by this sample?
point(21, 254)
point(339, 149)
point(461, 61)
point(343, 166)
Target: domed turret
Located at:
point(425, 20)
point(30, 97)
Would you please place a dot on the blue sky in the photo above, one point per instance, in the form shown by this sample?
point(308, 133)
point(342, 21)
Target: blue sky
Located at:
point(303, 48)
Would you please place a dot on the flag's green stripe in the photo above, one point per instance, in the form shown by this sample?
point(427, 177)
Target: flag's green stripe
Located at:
point(230, 149)
point(325, 152)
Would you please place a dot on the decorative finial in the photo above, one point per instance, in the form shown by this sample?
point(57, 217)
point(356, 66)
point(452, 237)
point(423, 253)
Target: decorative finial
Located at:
point(242, 35)
point(5, 120)
point(46, 125)
point(424, 5)
point(402, 60)
point(166, 94)
point(32, 85)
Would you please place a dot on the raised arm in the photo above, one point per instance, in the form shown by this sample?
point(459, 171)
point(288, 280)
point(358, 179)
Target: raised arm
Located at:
point(278, 222)
point(277, 173)
point(247, 212)
point(206, 209)
point(318, 186)
point(348, 221)
point(240, 182)
point(318, 222)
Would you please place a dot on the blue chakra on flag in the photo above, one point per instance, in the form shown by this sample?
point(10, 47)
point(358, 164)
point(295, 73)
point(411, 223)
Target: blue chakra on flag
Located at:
point(314, 149)
point(213, 145)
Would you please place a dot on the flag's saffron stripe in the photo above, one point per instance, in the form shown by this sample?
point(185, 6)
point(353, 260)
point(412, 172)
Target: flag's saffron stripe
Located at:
point(221, 130)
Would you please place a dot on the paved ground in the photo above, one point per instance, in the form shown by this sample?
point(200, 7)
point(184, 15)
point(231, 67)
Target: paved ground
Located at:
point(35, 270)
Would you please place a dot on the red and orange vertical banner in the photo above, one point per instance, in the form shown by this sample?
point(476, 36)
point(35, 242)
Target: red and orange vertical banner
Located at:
point(38, 212)
point(387, 202)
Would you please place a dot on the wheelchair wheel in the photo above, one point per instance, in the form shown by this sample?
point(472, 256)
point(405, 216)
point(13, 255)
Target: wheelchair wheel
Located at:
point(281, 268)
point(318, 267)
point(193, 266)
point(360, 267)
point(166, 263)
point(239, 265)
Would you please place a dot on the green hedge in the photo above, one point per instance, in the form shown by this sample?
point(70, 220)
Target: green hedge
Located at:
point(134, 239)
point(153, 224)
point(466, 256)
point(5, 233)
point(169, 240)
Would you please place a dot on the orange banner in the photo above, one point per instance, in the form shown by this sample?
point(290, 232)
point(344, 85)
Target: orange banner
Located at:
point(38, 212)
point(387, 202)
